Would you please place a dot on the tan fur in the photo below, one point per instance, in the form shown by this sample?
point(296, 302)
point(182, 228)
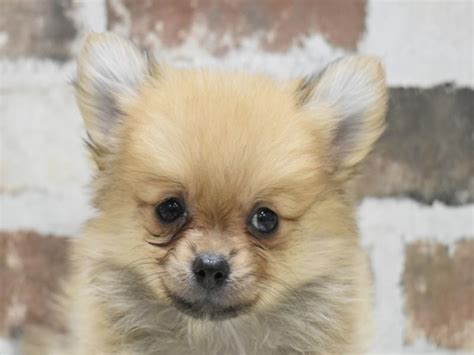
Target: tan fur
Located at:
point(226, 142)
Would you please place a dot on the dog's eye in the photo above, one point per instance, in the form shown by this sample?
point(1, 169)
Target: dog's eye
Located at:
point(170, 210)
point(263, 221)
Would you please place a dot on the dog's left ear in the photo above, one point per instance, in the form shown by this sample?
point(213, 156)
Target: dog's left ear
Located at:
point(354, 92)
point(110, 71)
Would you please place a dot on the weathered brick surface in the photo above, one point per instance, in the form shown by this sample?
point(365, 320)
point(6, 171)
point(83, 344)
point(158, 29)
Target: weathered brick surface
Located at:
point(278, 24)
point(31, 266)
point(439, 293)
point(427, 150)
point(36, 28)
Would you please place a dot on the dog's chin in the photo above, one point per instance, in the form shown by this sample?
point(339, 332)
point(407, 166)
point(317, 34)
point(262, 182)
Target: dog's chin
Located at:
point(208, 310)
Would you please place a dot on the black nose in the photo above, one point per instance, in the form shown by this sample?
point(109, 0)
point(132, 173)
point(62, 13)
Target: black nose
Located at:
point(211, 270)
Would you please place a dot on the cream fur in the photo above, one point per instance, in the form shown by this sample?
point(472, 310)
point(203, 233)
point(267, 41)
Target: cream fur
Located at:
point(226, 141)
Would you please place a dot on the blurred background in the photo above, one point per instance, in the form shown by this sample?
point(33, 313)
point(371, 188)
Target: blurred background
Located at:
point(416, 194)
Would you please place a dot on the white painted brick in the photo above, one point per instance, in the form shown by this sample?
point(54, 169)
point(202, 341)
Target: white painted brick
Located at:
point(60, 212)
point(423, 43)
point(8, 347)
point(41, 130)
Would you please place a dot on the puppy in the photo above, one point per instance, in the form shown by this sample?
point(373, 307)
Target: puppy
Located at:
point(225, 222)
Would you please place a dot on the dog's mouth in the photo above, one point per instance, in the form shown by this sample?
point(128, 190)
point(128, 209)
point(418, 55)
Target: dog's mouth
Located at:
point(207, 309)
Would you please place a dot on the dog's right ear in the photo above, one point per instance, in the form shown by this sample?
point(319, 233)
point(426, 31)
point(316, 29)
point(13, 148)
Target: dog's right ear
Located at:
point(354, 89)
point(110, 70)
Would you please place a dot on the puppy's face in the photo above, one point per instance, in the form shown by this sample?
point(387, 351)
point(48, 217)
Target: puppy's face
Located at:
point(225, 192)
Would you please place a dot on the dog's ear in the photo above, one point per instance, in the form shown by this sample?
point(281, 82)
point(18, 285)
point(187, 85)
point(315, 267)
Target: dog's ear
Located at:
point(110, 70)
point(354, 92)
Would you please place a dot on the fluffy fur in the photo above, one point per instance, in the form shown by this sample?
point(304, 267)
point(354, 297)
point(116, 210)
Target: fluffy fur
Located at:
point(225, 142)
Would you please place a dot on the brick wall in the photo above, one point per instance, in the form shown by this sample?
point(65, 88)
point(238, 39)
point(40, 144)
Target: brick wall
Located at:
point(416, 194)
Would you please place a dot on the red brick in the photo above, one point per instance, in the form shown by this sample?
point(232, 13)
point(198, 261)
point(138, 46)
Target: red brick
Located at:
point(278, 24)
point(439, 293)
point(37, 28)
point(31, 266)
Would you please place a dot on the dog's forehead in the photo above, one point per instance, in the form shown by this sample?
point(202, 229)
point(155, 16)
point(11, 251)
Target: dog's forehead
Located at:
point(221, 137)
